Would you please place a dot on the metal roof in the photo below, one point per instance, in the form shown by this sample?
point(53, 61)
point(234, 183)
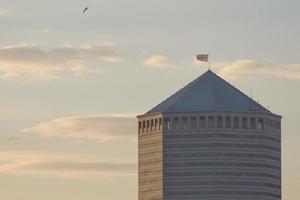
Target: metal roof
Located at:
point(208, 92)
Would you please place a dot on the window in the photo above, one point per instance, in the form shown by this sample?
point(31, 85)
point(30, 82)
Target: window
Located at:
point(175, 123)
point(140, 126)
point(156, 124)
point(160, 123)
point(144, 125)
point(184, 122)
point(272, 125)
point(260, 124)
point(244, 123)
point(193, 122)
point(152, 125)
point(276, 126)
point(202, 122)
point(228, 122)
point(211, 122)
point(167, 123)
point(236, 122)
point(219, 122)
point(148, 125)
point(252, 123)
point(269, 124)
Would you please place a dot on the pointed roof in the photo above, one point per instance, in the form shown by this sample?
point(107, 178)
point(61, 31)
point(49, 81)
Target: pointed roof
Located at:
point(208, 92)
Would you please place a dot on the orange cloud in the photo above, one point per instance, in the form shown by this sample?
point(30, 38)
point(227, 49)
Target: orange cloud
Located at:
point(3, 12)
point(158, 61)
point(244, 68)
point(31, 62)
point(36, 163)
point(99, 127)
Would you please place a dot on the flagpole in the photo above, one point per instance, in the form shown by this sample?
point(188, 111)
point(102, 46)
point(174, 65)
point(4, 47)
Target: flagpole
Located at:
point(208, 62)
point(204, 58)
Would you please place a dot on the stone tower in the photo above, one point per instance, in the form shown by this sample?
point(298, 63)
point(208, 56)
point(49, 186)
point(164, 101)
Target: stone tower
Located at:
point(209, 141)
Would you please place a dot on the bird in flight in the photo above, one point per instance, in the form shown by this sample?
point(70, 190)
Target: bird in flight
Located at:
point(86, 8)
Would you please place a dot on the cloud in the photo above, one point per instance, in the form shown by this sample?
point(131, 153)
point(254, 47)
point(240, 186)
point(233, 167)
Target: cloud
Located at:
point(3, 11)
point(30, 30)
point(158, 61)
point(106, 54)
point(245, 68)
point(60, 165)
point(32, 62)
point(99, 127)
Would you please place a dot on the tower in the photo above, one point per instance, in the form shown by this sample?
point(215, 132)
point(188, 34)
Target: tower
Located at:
point(209, 141)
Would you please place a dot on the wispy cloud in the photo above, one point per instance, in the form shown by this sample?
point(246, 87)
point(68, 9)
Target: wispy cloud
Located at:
point(25, 61)
point(45, 30)
point(158, 61)
point(3, 11)
point(105, 52)
point(60, 165)
point(245, 68)
point(99, 127)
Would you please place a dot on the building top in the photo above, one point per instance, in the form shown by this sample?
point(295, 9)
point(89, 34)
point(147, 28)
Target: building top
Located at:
point(208, 92)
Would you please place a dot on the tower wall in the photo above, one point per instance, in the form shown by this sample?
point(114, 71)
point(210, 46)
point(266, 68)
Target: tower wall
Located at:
point(226, 156)
point(150, 158)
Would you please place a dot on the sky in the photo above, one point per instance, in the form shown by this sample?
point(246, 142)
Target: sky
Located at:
point(72, 84)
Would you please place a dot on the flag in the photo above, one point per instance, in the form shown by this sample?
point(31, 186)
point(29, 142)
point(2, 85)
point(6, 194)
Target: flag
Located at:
point(202, 57)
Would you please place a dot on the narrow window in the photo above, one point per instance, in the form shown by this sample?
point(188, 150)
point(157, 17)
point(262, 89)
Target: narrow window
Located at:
point(152, 125)
point(252, 123)
point(156, 124)
point(260, 124)
point(211, 122)
point(140, 126)
point(272, 125)
point(244, 123)
point(219, 122)
point(167, 123)
point(193, 122)
point(228, 122)
point(276, 126)
point(144, 126)
point(268, 124)
point(184, 121)
point(160, 123)
point(202, 123)
point(148, 125)
point(236, 122)
point(175, 123)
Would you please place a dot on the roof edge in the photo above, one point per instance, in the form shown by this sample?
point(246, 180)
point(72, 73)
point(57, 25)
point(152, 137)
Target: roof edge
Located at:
point(211, 111)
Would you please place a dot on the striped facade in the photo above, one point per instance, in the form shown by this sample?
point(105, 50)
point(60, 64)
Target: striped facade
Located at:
point(150, 159)
point(210, 156)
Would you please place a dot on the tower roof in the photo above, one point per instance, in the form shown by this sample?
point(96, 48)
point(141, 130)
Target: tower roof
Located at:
point(208, 92)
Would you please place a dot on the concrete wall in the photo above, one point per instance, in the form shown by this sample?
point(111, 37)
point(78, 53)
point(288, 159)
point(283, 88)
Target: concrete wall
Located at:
point(150, 159)
point(231, 155)
point(219, 162)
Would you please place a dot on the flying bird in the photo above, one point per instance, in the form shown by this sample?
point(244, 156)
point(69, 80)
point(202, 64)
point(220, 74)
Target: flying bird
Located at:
point(85, 9)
